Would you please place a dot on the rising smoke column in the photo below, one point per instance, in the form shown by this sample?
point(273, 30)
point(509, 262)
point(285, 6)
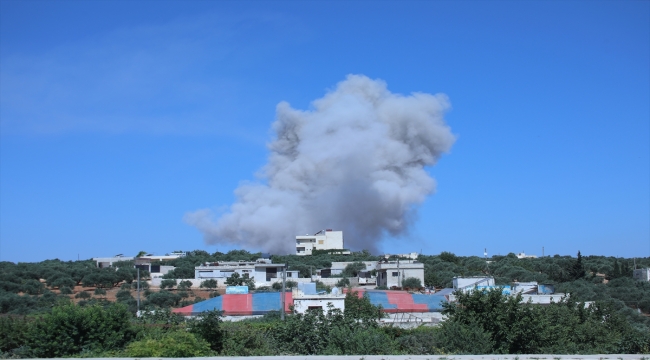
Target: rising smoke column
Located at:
point(355, 162)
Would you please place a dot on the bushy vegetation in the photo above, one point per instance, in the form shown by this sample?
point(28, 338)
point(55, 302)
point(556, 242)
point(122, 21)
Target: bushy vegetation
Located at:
point(41, 320)
point(478, 323)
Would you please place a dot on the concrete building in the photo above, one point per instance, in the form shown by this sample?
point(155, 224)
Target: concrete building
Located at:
point(522, 255)
point(412, 256)
point(103, 262)
point(463, 283)
point(263, 271)
point(338, 267)
point(641, 274)
point(393, 273)
point(156, 270)
point(322, 240)
point(305, 297)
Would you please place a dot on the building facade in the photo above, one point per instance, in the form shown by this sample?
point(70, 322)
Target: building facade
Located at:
point(262, 271)
point(322, 240)
point(393, 273)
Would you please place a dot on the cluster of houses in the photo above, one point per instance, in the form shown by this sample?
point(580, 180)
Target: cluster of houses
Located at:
point(403, 307)
point(389, 272)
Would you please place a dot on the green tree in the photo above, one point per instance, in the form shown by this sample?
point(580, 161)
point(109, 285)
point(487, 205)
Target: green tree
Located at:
point(512, 326)
point(168, 284)
point(236, 280)
point(185, 285)
point(209, 284)
point(64, 281)
point(33, 287)
point(361, 309)
point(83, 295)
point(449, 257)
point(13, 333)
point(124, 295)
point(69, 329)
point(163, 298)
point(352, 270)
point(577, 270)
point(208, 327)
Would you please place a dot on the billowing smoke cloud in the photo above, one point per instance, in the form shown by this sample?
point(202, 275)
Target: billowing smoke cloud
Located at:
point(355, 162)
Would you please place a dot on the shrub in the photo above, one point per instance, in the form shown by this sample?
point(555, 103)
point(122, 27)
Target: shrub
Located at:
point(343, 282)
point(412, 283)
point(467, 338)
point(247, 339)
point(63, 282)
point(124, 295)
point(208, 327)
point(184, 285)
point(13, 332)
point(164, 299)
point(69, 329)
point(210, 284)
point(100, 292)
point(83, 295)
point(168, 284)
point(179, 343)
point(65, 290)
point(33, 287)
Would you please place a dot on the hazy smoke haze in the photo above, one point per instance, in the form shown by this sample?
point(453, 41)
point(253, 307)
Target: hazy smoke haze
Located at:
point(355, 162)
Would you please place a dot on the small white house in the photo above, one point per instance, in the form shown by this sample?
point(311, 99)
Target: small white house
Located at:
point(305, 298)
point(263, 271)
point(322, 240)
point(393, 273)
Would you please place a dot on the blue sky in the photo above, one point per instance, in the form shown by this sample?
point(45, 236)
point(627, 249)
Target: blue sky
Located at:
point(118, 118)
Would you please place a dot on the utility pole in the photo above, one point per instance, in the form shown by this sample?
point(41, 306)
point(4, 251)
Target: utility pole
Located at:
point(138, 291)
point(284, 282)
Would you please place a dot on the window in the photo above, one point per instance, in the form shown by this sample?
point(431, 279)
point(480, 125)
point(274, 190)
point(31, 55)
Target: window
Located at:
point(320, 242)
point(395, 273)
point(300, 249)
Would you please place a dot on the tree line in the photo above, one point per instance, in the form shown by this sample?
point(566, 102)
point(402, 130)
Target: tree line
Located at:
point(480, 322)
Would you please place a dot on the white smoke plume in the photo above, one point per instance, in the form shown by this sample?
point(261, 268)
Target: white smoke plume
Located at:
point(355, 162)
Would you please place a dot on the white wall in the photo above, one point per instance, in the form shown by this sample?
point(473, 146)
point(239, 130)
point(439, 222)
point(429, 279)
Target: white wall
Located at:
point(301, 305)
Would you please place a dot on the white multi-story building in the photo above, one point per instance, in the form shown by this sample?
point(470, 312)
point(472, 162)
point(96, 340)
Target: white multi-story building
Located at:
point(393, 273)
point(103, 262)
point(322, 240)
